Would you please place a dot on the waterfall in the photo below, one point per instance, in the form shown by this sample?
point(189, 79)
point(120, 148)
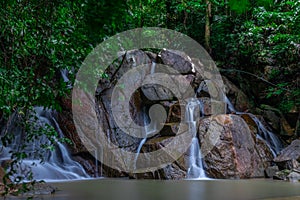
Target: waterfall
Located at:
point(230, 106)
point(272, 141)
point(148, 130)
point(194, 109)
point(153, 66)
point(264, 134)
point(57, 165)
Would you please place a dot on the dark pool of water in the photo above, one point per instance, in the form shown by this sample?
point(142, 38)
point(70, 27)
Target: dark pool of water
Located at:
point(116, 189)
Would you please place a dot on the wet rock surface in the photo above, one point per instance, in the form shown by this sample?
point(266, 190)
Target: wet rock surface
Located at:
point(288, 162)
point(237, 153)
point(239, 100)
point(276, 120)
point(271, 171)
point(289, 156)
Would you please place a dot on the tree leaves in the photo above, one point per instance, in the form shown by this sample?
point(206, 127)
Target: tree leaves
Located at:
point(239, 6)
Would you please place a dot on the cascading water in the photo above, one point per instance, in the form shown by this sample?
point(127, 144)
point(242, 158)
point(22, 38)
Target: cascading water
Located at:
point(57, 165)
point(148, 130)
point(153, 66)
point(230, 106)
point(264, 134)
point(193, 110)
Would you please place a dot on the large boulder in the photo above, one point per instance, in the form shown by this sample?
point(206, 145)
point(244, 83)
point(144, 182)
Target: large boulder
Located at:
point(173, 171)
point(234, 151)
point(78, 149)
point(177, 60)
point(156, 92)
point(229, 148)
point(237, 153)
point(294, 176)
point(289, 157)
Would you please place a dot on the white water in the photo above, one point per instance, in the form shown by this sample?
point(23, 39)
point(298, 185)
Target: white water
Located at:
point(202, 87)
point(194, 109)
point(153, 66)
point(230, 106)
point(148, 130)
point(57, 165)
point(264, 134)
point(273, 142)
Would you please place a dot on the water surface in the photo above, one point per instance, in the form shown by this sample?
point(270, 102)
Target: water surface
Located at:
point(121, 189)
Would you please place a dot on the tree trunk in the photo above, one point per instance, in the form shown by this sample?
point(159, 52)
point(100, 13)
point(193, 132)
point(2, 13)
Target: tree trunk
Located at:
point(169, 13)
point(207, 26)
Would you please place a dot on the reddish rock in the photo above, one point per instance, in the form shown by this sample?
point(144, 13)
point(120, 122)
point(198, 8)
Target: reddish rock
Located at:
point(230, 149)
point(237, 153)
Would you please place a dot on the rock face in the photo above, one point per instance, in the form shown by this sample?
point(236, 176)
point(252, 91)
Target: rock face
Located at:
point(178, 60)
point(289, 157)
point(271, 171)
point(237, 153)
point(239, 100)
point(78, 149)
point(229, 150)
point(276, 120)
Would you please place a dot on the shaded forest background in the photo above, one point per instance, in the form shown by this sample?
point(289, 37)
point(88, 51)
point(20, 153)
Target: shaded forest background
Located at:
point(255, 43)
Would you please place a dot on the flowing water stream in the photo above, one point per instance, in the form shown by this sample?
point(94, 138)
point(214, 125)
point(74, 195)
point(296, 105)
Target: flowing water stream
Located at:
point(263, 133)
point(58, 163)
point(193, 110)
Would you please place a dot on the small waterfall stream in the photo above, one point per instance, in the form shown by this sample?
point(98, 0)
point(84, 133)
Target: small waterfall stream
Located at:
point(263, 133)
point(149, 129)
point(57, 165)
point(194, 109)
point(153, 66)
point(230, 106)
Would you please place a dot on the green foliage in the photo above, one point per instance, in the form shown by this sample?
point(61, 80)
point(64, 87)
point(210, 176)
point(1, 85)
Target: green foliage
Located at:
point(37, 40)
point(271, 37)
point(239, 6)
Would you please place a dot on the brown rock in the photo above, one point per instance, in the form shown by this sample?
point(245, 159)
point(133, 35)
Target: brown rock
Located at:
point(238, 98)
point(178, 60)
point(236, 152)
point(174, 86)
point(276, 120)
